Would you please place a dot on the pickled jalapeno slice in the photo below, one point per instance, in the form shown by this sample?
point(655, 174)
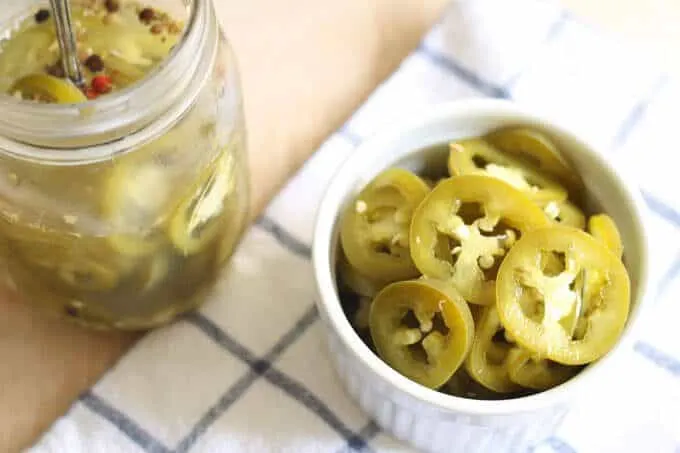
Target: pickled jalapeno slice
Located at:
point(76, 263)
point(136, 197)
point(463, 228)
point(198, 219)
point(565, 213)
point(421, 328)
point(487, 362)
point(476, 156)
point(375, 228)
point(603, 228)
point(44, 87)
point(462, 385)
point(548, 325)
point(355, 281)
point(155, 270)
point(538, 150)
point(363, 313)
point(538, 374)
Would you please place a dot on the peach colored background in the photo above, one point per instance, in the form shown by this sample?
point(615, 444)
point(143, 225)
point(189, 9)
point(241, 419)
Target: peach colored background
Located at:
point(649, 26)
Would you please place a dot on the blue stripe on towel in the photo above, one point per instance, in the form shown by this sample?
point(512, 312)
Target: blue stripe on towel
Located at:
point(284, 238)
point(663, 210)
point(131, 429)
point(466, 75)
point(560, 445)
point(264, 367)
point(658, 358)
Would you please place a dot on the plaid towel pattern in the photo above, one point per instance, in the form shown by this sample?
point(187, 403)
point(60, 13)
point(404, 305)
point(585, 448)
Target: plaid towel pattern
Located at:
point(249, 372)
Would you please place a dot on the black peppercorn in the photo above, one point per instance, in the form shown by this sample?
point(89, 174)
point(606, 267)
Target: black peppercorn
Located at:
point(94, 63)
point(112, 6)
point(71, 311)
point(56, 70)
point(42, 15)
point(147, 15)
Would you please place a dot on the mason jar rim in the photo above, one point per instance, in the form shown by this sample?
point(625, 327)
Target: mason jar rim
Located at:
point(100, 128)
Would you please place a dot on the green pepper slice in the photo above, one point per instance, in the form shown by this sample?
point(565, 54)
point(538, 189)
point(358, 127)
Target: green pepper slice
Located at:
point(375, 228)
point(537, 374)
point(353, 280)
point(363, 313)
point(488, 358)
point(603, 228)
point(566, 213)
point(463, 228)
point(476, 156)
point(137, 196)
point(81, 264)
point(48, 88)
point(539, 151)
point(546, 326)
point(198, 220)
point(421, 328)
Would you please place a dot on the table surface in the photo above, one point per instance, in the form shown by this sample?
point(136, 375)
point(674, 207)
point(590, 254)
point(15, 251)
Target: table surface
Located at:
point(649, 26)
point(276, 67)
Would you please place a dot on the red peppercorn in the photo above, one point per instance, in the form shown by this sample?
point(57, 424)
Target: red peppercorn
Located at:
point(90, 93)
point(101, 84)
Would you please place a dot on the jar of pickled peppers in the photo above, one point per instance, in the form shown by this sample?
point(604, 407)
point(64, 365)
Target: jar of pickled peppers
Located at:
point(122, 199)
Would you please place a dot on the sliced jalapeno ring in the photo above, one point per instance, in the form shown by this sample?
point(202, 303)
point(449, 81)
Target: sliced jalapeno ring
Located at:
point(375, 228)
point(355, 281)
point(537, 149)
point(78, 263)
point(537, 374)
point(363, 313)
point(421, 328)
point(566, 213)
point(198, 220)
point(546, 327)
point(487, 361)
point(463, 228)
point(603, 228)
point(137, 196)
point(475, 156)
point(48, 88)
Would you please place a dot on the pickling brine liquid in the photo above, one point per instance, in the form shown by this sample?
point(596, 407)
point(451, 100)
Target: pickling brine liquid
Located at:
point(133, 240)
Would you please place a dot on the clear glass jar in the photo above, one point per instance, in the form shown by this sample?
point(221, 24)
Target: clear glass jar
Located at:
point(120, 212)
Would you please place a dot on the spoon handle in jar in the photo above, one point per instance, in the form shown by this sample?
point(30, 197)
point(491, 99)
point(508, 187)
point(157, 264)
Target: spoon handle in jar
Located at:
point(61, 10)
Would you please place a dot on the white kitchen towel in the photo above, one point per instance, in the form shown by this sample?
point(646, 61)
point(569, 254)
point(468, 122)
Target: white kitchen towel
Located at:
point(250, 372)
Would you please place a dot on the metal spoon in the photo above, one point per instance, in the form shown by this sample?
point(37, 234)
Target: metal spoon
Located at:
point(61, 9)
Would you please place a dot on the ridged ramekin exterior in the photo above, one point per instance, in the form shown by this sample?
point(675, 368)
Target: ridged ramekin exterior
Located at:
point(432, 430)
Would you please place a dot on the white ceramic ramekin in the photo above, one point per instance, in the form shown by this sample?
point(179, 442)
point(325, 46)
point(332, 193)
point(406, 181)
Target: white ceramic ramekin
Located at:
point(429, 420)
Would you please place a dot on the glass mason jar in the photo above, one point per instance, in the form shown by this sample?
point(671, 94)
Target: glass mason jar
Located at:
point(120, 212)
